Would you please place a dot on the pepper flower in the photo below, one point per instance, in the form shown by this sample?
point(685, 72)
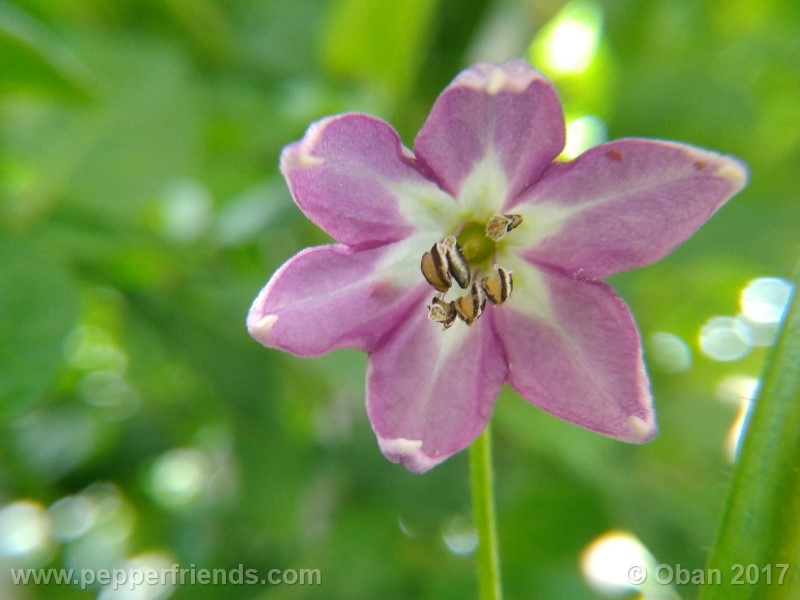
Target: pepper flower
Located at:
point(478, 259)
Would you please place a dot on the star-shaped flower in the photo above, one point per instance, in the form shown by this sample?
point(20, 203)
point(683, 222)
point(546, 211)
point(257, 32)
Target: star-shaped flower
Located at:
point(478, 260)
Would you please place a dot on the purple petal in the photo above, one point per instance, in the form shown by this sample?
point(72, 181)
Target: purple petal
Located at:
point(351, 176)
point(332, 297)
point(574, 351)
point(625, 204)
point(430, 392)
point(506, 115)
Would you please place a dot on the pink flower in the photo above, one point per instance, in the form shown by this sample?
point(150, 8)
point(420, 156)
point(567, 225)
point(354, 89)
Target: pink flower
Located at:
point(485, 156)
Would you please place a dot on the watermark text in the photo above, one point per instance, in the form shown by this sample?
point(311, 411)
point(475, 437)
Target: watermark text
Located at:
point(132, 578)
point(737, 574)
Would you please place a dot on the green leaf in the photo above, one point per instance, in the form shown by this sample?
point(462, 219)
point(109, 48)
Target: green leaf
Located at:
point(38, 309)
point(760, 529)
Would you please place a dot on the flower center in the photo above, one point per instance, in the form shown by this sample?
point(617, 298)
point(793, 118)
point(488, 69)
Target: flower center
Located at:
point(476, 245)
point(461, 259)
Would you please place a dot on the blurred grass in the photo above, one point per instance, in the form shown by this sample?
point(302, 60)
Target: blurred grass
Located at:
point(141, 210)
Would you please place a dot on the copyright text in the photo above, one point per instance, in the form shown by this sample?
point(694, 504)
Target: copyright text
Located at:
point(737, 574)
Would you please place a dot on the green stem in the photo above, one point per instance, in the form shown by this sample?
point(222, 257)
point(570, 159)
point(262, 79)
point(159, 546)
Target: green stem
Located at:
point(760, 531)
point(480, 460)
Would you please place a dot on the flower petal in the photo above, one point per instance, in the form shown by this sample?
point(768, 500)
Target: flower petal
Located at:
point(333, 296)
point(352, 177)
point(624, 204)
point(492, 118)
point(430, 392)
point(574, 351)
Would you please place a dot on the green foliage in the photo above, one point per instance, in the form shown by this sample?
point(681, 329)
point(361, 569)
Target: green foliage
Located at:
point(761, 522)
point(141, 209)
point(38, 308)
point(379, 43)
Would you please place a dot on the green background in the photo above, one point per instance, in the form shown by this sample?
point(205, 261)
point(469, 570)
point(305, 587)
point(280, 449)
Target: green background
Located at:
point(141, 210)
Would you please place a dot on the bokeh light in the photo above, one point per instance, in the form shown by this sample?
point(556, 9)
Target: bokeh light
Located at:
point(606, 563)
point(25, 528)
point(737, 390)
point(726, 338)
point(179, 477)
point(669, 352)
point(764, 300)
point(72, 517)
point(460, 536)
point(582, 134)
point(152, 569)
point(571, 39)
point(185, 211)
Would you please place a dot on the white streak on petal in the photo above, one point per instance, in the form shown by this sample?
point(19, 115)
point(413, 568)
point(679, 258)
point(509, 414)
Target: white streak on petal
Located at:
point(530, 290)
point(485, 188)
point(539, 222)
point(399, 266)
point(430, 209)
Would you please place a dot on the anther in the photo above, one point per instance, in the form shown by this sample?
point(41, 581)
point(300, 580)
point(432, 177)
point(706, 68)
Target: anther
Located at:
point(498, 286)
point(434, 267)
point(470, 306)
point(442, 312)
point(458, 265)
point(499, 225)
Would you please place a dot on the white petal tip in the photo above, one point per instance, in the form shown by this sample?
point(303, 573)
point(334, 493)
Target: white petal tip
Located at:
point(513, 76)
point(261, 328)
point(496, 81)
point(408, 453)
point(401, 446)
point(300, 157)
point(734, 173)
point(640, 430)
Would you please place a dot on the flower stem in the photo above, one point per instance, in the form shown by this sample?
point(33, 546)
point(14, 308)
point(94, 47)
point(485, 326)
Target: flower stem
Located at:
point(480, 460)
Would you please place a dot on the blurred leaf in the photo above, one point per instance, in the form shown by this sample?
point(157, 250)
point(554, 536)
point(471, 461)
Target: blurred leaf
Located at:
point(378, 41)
point(120, 152)
point(763, 516)
point(207, 23)
point(38, 308)
point(32, 58)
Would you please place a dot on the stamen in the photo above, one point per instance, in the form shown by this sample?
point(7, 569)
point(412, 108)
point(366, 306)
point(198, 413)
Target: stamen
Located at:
point(470, 306)
point(458, 259)
point(458, 265)
point(434, 267)
point(442, 312)
point(498, 286)
point(499, 225)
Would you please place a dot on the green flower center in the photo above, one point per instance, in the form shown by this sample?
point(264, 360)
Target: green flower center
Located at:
point(476, 245)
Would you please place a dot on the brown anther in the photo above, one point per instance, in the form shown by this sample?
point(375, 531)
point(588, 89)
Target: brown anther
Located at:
point(442, 312)
point(457, 264)
point(498, 286)
point(434, 267)
point(499, 225)
point(470, 306)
